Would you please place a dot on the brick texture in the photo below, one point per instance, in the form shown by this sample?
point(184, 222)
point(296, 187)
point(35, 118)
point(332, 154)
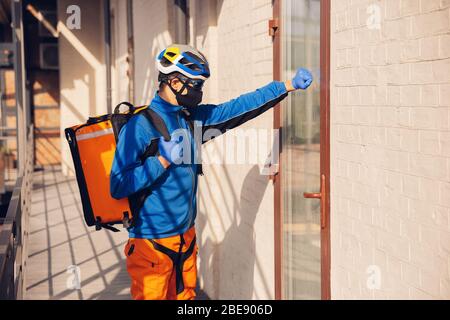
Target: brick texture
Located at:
point(149, 40)
point(390, 108)
point(235, 217)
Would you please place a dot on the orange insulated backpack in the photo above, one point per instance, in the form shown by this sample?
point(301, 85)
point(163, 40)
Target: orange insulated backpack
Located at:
point(92, 145)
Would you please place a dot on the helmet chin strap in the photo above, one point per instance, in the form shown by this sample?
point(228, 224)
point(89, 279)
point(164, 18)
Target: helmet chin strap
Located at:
point(192, 98)
point(176, 93)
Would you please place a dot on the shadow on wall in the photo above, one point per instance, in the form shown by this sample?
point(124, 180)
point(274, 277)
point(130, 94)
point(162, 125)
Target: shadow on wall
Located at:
point(233, 261)
point(82, 67)
point(211, 10)
point(148, 44)
point(162, 34)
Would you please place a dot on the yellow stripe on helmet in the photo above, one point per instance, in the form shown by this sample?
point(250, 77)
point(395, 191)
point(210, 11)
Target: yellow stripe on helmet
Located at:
point(172, 57)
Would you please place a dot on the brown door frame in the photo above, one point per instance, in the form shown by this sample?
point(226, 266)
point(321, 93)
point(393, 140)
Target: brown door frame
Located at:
point(276, 31)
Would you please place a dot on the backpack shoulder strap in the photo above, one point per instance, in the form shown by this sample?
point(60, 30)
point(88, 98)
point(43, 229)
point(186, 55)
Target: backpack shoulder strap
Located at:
point(191, 125)
point(158, 123)
point(137, 199)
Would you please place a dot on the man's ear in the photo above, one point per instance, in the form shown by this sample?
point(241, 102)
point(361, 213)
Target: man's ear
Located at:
point(176, 84)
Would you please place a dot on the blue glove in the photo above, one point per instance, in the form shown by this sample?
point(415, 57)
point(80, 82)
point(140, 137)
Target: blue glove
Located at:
point(302, 79)
point(171, 150)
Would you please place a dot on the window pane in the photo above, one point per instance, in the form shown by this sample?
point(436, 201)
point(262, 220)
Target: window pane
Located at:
point(301, 152)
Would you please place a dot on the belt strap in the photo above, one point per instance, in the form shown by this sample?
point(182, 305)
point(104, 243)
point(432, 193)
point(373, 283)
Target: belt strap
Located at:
point(178, 259)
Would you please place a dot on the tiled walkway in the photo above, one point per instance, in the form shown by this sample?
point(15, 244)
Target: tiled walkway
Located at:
point(60, 244)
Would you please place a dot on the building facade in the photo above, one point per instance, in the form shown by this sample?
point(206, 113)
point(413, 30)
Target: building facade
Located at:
point(390, 148)
point(372, 134)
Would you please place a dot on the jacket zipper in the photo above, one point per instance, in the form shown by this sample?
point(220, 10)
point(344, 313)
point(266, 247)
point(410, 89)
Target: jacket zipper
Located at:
point(191, 171)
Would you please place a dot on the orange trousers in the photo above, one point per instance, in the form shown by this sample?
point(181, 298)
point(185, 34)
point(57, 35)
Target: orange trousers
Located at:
point(163, 269)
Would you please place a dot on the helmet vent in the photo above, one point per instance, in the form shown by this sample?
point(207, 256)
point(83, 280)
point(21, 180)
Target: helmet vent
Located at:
point(165, 62)
point(189, 64)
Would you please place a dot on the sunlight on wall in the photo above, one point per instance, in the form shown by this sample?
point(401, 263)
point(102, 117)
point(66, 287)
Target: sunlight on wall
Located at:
point(82, 70)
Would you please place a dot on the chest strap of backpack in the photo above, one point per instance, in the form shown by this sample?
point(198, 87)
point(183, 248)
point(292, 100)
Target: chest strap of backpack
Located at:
point(186, 115)
point(137, 199)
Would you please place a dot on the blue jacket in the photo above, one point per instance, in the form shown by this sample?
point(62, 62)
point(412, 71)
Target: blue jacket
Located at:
point(171, 207)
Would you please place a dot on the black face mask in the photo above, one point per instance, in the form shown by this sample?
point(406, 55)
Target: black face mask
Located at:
point(191, 99)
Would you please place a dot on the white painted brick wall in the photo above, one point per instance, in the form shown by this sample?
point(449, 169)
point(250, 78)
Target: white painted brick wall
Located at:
point(81, 60)
point(119, 35)
point(151, 36)
point(235, 217)
point(390, 149)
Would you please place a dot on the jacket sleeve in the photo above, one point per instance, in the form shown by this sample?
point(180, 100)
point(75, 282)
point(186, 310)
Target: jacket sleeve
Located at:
point(129, 174)
point(228, 115)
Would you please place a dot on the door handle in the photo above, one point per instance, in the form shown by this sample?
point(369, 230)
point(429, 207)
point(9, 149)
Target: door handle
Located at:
point(322, 196)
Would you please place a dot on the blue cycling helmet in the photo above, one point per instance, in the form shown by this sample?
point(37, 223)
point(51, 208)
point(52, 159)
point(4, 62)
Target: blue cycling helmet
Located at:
point(183, 59)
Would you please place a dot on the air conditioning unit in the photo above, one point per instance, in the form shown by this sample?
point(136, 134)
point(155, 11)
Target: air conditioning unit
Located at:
point(48, 56)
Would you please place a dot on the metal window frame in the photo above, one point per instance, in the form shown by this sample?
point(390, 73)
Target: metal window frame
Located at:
point(275, 29)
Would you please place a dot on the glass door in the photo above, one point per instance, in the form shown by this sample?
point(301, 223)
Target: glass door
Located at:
point(301, 153)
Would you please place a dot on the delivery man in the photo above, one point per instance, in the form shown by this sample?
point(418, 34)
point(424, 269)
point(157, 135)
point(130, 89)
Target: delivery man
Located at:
point(161, 251)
